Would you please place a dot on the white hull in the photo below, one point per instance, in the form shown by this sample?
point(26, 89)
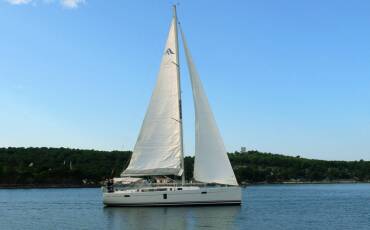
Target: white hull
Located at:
point(174, 196)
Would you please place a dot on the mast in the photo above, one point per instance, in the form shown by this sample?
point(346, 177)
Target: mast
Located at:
point(179, 95)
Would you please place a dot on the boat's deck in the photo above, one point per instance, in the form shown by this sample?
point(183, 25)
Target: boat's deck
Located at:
point(119, 189)
point(159, 187)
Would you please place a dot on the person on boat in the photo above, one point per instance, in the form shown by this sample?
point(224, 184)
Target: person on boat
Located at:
point(110, 186)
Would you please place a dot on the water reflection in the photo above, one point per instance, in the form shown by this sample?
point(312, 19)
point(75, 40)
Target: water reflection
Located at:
point(179, 218)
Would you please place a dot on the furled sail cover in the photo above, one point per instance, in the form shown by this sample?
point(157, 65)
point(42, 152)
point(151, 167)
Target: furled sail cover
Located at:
point(158, 147)
point(211, 164)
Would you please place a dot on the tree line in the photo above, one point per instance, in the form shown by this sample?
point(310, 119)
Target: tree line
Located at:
point(76, 167)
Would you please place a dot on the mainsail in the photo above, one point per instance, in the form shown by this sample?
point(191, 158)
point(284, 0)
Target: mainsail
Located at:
point(211, 164)
point(158, 150)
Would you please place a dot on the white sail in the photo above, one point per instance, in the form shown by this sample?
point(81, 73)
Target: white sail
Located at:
point(158, 150)
point(211, 164)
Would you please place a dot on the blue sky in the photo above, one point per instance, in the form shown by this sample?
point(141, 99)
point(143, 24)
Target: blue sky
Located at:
point(289, 77)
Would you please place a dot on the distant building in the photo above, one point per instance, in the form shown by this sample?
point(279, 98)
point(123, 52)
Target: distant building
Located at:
point(243, 149)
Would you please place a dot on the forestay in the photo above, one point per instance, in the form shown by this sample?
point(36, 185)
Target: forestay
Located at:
point(211, 164)
point(158, 150)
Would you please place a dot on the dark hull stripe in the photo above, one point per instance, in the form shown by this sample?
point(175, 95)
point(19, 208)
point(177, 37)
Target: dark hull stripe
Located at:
point(190, 203)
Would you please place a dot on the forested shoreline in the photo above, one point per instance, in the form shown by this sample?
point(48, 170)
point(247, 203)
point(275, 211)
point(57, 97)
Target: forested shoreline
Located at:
point(64, 167)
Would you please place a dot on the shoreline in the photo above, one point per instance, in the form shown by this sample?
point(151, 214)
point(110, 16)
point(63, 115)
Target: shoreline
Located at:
point(62, 186)
point(46, 186)
point(306, 182)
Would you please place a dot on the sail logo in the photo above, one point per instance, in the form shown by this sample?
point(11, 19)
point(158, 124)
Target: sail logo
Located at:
point(169, 51)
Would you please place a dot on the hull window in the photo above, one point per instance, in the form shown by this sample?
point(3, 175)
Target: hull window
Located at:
point(165, 196)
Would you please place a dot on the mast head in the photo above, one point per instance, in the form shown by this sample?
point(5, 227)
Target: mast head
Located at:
point(174, 10)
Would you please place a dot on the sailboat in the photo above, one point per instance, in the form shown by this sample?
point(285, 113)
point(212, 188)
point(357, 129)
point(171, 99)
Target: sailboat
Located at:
point(158, 157)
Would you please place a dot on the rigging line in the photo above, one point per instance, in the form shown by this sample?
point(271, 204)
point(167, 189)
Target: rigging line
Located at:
point(176, 64)
point(176, 120)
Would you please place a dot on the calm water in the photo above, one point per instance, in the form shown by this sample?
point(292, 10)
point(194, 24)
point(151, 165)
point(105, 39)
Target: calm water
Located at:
point(265, 207)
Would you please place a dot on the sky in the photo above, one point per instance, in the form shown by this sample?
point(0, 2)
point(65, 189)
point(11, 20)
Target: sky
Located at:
point(289, 77)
